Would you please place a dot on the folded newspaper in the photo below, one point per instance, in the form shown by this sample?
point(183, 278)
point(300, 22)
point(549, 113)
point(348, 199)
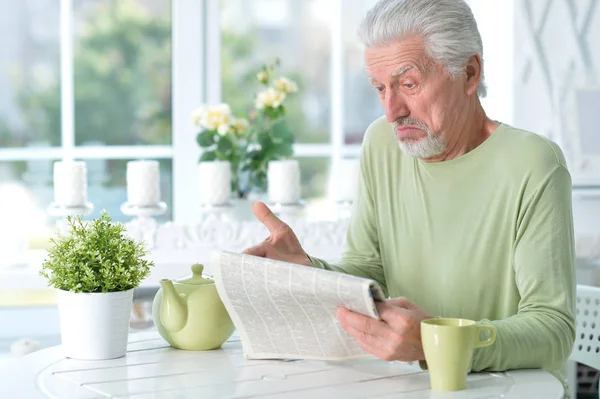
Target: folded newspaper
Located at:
point(287, 311)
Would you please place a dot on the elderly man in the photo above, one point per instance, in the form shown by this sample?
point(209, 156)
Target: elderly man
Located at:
point(457, 215)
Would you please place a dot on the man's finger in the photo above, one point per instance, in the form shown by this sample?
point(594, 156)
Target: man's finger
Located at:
point(268, 218)
point(401, 302)
point(390, 313)
point(365, 324)
point(258, 250)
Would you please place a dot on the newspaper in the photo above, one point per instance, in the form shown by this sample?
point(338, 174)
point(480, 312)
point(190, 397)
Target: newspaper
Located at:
point(287, 311)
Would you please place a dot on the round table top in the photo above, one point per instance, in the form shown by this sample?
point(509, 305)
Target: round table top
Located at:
point(152, 368)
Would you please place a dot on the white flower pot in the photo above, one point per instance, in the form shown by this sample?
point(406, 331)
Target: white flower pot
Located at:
point(94, 326)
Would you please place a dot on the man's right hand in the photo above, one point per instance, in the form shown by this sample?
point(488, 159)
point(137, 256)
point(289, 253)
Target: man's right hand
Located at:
point(281, 244)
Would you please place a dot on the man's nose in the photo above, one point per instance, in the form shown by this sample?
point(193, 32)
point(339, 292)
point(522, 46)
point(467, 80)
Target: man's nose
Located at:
point(395, 106)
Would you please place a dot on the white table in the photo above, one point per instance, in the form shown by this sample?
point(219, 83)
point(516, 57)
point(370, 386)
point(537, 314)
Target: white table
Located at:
point(152, 369)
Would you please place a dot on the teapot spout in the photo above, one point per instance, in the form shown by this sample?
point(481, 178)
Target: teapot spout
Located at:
point(173, 310)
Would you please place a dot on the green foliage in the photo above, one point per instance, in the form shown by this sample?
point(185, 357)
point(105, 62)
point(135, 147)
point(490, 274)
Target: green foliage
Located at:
point(95, 257)
point(275, 141)
point(121, 66)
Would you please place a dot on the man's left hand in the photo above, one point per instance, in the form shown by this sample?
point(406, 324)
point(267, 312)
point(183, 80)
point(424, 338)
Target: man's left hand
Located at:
point(397, 336)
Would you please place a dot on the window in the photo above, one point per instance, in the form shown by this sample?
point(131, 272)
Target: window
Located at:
point(83, 79)
point(122, 92)
point(29, 69)
point(122, 72)
point(108, 81)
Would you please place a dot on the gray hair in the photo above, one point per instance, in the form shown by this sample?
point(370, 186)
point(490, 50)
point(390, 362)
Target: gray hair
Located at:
point(448, 28)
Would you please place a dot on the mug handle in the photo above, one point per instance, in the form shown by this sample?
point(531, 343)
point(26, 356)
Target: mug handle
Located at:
point(485, 327)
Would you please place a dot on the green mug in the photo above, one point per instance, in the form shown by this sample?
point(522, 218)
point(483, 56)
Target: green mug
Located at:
point(448, 346)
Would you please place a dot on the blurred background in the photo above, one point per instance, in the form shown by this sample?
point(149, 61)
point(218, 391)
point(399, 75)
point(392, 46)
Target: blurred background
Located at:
point(109, 81)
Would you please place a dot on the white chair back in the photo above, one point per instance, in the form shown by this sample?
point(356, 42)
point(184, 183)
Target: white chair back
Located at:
point(587, 342)
point(586, 349)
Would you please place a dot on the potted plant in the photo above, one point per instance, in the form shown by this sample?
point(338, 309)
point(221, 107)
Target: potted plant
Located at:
point(94, 267)
point(222, 138)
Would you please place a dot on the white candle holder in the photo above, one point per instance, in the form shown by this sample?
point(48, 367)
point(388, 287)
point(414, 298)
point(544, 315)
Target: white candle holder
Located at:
point(344, 204)
point(143, 224)
point(220, 211)
point(144, 212)
point(344, 208)
point(287, 210)
point(61, 212)
point(58, 210)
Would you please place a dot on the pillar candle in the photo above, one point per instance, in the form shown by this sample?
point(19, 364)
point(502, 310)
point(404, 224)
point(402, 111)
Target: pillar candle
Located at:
point(347, 181)
point(70, 183)
point(143, 183)
point(283, 179)
point(214, 180)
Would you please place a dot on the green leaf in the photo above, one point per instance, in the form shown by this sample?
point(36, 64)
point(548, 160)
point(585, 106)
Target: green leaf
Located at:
point(278, 112)
point(264, 139)
point(259, 179)
point(206, 138)
point(282, 131)
point(208, 156)
point(284, 150)
point(224, 145)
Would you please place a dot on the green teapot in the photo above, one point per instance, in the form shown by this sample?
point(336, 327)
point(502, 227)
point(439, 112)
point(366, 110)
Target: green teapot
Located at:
point(189, 313)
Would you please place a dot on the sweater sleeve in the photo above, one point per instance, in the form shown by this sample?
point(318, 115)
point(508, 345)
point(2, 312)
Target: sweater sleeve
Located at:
point(361, 255)
point(542, 333)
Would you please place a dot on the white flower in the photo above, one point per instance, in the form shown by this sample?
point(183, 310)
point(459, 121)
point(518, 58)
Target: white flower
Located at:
point(262, 76)
point(216, 116)
point(269, 98)
point(223, 129)
point(240, 125)
point(286, 85)
point(198, 115)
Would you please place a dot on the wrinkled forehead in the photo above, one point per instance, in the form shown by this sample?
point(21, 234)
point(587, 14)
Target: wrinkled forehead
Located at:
point(397, 58)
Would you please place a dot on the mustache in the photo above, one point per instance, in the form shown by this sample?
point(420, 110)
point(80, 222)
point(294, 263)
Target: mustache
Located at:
point(408, 121)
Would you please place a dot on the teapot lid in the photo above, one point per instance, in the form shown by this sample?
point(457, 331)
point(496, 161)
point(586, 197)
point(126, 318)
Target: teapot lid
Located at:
point(196, 278)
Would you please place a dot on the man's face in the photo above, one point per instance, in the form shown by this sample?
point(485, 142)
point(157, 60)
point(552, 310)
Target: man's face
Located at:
point(419, 98)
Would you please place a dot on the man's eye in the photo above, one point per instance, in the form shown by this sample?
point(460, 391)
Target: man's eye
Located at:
point(380, 89)
point(409, 85)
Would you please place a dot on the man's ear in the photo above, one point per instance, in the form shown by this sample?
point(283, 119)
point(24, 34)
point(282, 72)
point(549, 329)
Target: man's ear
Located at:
point(473, 70)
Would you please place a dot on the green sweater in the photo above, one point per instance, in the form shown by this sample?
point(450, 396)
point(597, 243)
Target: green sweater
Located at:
point(487, 236)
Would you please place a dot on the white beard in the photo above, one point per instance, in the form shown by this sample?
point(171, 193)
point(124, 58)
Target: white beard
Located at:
point(427, 147)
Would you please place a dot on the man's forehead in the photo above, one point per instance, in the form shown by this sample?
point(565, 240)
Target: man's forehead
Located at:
point(396, 58)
